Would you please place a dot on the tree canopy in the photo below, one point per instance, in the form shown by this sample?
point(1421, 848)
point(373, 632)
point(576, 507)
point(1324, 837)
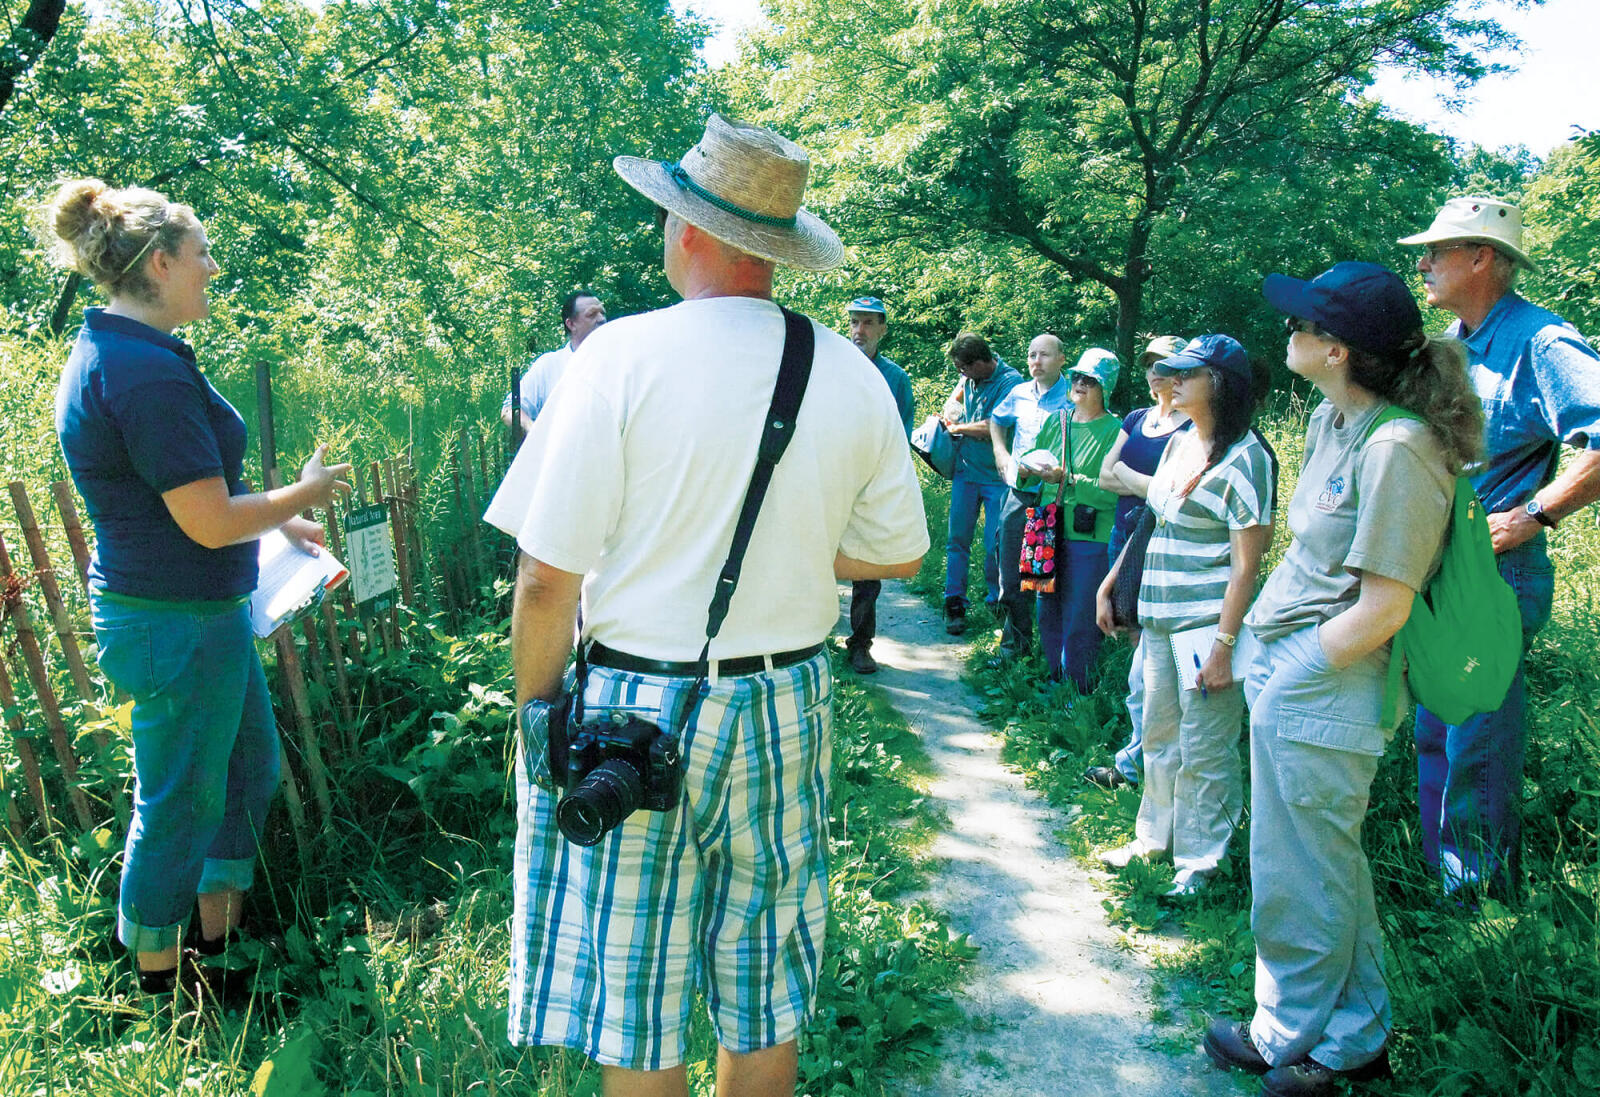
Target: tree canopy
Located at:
point(1129, 153)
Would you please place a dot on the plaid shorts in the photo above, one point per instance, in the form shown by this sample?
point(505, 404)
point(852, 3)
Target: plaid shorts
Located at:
point(726, 895)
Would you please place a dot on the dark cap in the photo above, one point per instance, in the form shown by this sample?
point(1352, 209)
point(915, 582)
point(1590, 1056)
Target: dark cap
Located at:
point(1362, 304)
point(1220, 352)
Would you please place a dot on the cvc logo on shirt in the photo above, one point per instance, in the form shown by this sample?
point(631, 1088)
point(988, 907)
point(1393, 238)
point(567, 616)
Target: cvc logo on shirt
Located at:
point(1328, 500)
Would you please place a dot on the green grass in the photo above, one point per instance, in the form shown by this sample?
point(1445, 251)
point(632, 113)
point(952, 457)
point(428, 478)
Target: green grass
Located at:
point(1502, 1001)
point(384, 964)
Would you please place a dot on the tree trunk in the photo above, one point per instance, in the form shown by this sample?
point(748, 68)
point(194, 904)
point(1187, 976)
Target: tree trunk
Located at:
point(27, 42)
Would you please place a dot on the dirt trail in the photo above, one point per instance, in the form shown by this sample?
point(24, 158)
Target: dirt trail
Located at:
point(1054, 1005)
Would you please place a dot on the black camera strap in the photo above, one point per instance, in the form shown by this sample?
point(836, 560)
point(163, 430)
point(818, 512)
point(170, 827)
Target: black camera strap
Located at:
point(794, 372)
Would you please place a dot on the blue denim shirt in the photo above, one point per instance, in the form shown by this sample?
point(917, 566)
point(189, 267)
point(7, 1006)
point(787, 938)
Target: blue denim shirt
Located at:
point(1540, 386)
point(900, 385)
point(975, 456)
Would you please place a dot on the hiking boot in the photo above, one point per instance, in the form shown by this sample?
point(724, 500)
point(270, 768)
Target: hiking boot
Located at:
point(1107, 777)
point(1229, 1045)
point(955, 615)
point(862, 662)
point(1311, 1079)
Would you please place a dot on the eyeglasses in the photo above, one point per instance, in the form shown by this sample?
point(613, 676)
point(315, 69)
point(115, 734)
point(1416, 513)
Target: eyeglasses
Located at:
point(1432, 252)
point(1292, 324)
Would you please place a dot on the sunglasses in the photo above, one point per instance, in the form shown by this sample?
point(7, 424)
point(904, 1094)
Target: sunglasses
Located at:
point(1190, 373)
point(1292, 324)
point(661, 217)
point(1433, 251)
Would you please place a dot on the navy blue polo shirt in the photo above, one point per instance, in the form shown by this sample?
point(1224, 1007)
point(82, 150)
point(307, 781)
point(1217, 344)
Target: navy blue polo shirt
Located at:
point(136, 418)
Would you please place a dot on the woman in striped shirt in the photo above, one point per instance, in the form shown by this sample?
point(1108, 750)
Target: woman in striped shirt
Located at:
point(1212, 495)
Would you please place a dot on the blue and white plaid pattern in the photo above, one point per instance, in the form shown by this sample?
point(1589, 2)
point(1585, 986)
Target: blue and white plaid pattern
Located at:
point(727, 894)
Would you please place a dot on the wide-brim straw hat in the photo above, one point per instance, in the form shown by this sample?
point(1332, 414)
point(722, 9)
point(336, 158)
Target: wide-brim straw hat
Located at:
point(742, 184)
point(1475, 219)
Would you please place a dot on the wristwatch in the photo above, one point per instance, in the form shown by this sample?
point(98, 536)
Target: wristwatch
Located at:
point(1537, 512)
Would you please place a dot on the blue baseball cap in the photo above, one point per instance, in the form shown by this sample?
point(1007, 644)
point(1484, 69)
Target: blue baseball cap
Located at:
point(1220, 352)
point(1363, 304)
point(868, 304)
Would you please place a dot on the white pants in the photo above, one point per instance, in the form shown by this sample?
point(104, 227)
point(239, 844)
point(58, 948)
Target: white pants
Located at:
point(1315, 743)
point(1193, 779)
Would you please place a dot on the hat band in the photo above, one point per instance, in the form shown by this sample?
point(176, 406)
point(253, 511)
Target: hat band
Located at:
point(681, 177)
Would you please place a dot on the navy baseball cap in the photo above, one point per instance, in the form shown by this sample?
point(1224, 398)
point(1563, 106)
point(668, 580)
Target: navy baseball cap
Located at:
point(868, 304)
point(1363, 304)
point(1219, 352)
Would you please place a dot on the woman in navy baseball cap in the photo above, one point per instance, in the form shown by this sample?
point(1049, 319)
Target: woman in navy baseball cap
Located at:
point(1368, 518)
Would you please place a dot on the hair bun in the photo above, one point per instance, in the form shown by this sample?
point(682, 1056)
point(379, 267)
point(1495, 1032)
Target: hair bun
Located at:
point(76, 208)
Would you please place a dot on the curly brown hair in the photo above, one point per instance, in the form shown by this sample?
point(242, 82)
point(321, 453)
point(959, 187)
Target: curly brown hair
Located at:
point(106, 233)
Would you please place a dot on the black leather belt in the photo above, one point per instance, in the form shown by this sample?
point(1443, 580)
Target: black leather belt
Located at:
point(602, 656)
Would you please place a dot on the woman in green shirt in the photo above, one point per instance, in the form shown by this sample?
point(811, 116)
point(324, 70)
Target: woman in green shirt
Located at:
point(1079, 439)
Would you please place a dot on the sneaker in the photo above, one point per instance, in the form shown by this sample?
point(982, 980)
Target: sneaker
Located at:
point(955, 615)
point(1107, 777)
point(862, 662)
point(1310, 1078)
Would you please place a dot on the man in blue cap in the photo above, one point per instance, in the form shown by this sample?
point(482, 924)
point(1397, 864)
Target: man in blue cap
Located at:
point(1540, 386)
point(869, 322)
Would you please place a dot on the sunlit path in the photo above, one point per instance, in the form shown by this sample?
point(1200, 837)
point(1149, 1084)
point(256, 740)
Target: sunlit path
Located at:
point(1055, 1005)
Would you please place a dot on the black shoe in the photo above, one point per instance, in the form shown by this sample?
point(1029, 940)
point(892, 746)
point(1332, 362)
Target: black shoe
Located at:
point(1229, 1045)
point(955, 615)
point(1105, 776)
point(1311, 1079)
point(862, 662)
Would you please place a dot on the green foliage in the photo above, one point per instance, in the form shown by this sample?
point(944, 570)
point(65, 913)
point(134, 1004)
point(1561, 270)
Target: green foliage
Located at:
point(1562, 214)
point(1096, 154)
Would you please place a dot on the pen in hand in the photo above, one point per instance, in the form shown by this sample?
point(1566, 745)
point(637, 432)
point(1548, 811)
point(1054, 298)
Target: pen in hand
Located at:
point(1197, 669)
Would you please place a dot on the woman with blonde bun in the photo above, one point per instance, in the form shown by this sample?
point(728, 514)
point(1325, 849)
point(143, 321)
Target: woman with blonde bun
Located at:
point(158, 456)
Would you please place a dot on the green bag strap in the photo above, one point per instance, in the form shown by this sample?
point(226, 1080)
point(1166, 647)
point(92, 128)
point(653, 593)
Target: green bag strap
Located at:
point(1390, 714)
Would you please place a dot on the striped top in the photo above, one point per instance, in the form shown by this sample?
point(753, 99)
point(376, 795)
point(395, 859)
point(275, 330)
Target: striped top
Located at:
point(1186, 565)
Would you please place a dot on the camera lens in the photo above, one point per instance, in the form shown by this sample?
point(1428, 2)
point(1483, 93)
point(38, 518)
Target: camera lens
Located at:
point(611, 792)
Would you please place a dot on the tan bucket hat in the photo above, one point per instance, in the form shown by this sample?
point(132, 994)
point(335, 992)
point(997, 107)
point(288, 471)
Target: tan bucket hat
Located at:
point(742, 184)
point(1162, 346)
point(1479, 220)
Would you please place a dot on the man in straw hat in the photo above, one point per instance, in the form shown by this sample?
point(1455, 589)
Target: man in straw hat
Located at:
point(1540, 386)
point(629, 486)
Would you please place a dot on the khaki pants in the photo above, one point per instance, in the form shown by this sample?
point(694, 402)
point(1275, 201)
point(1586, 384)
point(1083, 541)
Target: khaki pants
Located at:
point(1193, 779)
point(1315, 743)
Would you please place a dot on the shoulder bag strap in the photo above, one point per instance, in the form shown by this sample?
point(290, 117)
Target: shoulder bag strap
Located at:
point(794, 371)
point(1066, 433)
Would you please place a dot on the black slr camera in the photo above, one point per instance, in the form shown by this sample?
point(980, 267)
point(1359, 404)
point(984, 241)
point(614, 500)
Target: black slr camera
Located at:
point(609, 768)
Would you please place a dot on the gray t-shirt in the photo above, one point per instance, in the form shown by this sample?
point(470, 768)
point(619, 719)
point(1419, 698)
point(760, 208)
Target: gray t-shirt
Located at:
point(1377, 507)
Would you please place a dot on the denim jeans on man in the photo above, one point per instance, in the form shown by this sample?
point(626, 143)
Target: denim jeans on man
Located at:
point(205, 756)
point(1469, 776)
point(967, 494)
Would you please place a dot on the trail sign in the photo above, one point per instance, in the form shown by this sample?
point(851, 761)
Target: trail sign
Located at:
point(371, 547)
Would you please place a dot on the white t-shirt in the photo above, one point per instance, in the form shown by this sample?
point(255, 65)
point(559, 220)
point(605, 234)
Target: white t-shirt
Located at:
point(635, 474)
point(539, 380)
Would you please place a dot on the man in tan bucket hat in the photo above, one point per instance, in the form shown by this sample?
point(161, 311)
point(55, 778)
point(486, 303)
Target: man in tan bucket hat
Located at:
point(1540, 386)
point(628, 487)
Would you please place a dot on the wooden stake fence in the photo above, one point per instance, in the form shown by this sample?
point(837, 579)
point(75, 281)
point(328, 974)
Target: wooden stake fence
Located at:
point(322, 647)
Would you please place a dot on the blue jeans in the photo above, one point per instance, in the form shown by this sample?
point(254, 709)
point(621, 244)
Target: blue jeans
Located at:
point(1469, 776)
point(965, 498)
point(205, 757)
point(1067, 631)
point(1130, 759)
